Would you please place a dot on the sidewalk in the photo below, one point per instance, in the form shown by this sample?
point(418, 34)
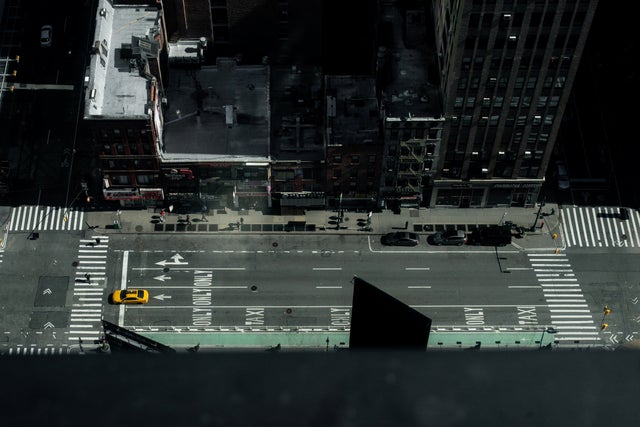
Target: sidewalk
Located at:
point(422, 221)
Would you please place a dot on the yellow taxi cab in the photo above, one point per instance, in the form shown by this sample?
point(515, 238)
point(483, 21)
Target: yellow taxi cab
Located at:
point(130, 296)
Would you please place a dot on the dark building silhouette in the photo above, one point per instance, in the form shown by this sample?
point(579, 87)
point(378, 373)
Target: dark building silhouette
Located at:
point(379, 321)
point(507, 71)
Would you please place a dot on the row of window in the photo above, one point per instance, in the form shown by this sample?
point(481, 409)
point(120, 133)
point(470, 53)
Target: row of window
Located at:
point(515, 102)
point(519, 83)
point(132, 148)
point(134, 179)
point(507, 18)
point(354, 159)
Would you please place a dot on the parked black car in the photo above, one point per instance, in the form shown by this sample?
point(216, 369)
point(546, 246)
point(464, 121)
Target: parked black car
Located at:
point(493, 235)
point(401, 238)
point(448, 237)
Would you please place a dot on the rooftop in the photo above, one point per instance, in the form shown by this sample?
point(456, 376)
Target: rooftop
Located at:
point(352, 110)
point(409, 92)
point(297, 111)
point(217, 113)
point(124, 39)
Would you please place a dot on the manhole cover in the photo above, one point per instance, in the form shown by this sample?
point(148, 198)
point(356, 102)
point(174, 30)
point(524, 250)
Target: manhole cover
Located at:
point(274, 244)
point(289, 311)
point(166, 269)
point(138, 228)
point(75, 263)
point(254, 288)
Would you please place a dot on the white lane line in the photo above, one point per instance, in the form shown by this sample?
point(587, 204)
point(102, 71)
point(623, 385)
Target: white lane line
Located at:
point(417, 268)
point(73, 325)
point(547, 255)
point(593, 213)
point(557, 280)
point(563, 295)
point(327, 268)
point(583, 222)
point(551, 265)
point(560, 285)
point(123, 285)
point(565, 230)
point(634, 215)
point(571, 316)
point(328, 287)
point(553, 269)
point(613, 243)
point(524, 287)
point(588, 215)
point(570, 311)
point(419, 287)
point(562, 290)
point(568, 305)
point(604, 229)
point(577, 222)
point(559, 331)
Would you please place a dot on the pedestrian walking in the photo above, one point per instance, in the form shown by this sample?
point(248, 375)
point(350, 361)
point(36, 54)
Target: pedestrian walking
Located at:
point(88, 277)
point(97, 240)
point(162, 215)
point(204, 217)
point(188, 220)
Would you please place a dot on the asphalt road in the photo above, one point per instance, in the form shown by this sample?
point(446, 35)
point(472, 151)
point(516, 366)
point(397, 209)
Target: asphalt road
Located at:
point(257, 282)
point(306, 281)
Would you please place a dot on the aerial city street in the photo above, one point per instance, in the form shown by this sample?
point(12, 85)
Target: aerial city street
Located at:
point(163, 172)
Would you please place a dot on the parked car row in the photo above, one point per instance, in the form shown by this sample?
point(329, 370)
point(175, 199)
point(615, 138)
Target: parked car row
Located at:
point(493, 235)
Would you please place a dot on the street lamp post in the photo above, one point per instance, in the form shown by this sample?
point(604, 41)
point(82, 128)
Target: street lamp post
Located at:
point(533, 227)
point(549, 330)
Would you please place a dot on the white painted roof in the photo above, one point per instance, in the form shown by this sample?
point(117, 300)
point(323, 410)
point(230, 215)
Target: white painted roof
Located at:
point(115, 87)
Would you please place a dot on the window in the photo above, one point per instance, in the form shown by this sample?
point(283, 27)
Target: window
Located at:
point(372, 159)
point(458, 102)
point(471, 101)
point(497, 101)
point(355, 159)
point(486, 102)
point(120, 179)
point(337, 159)
point(337, 173)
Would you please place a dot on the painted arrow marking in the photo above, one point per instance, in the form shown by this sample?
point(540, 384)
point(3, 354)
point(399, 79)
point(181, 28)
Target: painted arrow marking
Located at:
point(176, 261)
point(48, 325)
point(162, 278)
point(614, 338)
point(634, 301)
point(47, 292)
point(162, 297)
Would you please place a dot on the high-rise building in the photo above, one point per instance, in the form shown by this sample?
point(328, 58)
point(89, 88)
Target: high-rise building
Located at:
point(507, 68)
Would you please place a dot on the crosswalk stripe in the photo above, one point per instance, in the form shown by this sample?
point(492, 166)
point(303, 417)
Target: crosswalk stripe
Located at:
point(45, 218)
point(599, 226)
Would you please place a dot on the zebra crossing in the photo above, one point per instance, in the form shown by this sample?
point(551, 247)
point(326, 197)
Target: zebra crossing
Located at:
point(599, 227)
point(36, 351)
point(571, 319)
point(85, 324)
point(46, 218)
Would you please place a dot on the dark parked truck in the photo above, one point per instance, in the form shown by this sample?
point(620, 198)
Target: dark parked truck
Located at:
point(493, 235)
